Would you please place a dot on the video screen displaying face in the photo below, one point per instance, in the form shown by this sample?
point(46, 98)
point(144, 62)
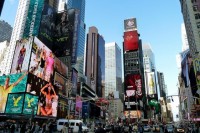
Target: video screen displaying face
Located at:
point(11, 84)
point(15, 103)
point(22, 55)
point(42, 61)
point(48, 95)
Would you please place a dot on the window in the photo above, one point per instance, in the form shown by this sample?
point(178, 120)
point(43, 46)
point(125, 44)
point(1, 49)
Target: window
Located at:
point(195, 8)
point(197, 16)
point(198, 25)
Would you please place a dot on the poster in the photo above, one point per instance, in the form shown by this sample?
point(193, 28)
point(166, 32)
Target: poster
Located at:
point(30, 104)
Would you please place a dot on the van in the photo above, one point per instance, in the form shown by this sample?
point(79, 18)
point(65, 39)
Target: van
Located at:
point(72, 123)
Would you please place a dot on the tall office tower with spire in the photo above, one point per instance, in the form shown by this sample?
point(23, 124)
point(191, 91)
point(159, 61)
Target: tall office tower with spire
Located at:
point(113, 68)
point(79, 66)
point(95, 61)
point(191, 15)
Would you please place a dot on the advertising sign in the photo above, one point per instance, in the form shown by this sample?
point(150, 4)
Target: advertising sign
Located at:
point(60, 82)
point(131, 40)
point(33, 18)
point(133, 85)
point(15, 103)
point(151, 83)
point(133, 114)
point(42, 61)
point(30, 103)
point(48, 98)
point(74, 81)
point(64, 33)
point(22, 55)
point(78, 106)
point(47, 26)
point(130, 24)
point(196, 63)
point(60, 67)
point(11, 84)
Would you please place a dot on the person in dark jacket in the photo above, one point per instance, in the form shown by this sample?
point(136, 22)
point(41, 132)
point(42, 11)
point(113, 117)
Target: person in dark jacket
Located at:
point(100, 129)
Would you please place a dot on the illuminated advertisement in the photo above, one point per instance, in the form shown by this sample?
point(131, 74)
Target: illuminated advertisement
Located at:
point(151, 83)
point(42, 61)
point(60, 82)
point(74, 81)
point(62, 110)
point(133, 114)
point(47, 26)
point(11, 84)
point(15, 103)
point(33, 18)
point(133, 85)
point(131, 40)
point(130, 103)
point(130, 24)
point(60, 67)
point(30, 102)
point(78, 106)
point(64, 33)
point(48, 98)
point(196, 63)
point(22, 55)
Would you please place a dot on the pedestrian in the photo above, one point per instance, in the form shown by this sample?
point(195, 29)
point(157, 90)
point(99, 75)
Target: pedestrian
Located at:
point(37, 127)
point(43, 127)
point(23, 128)
point(80, 128)
point(51, 127)
point(100, 129)
point(32, 127)
point(12, 128)
point(64, 129)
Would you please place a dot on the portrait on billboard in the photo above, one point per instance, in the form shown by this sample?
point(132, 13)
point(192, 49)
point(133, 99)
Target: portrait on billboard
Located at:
point(47, 26)
point(30, 102)
point(131, 41)
point(11, 84)
point(42, 61)
point(60, 67)
point(22, 55)
point(64, 33)
point(15, 103)
point(47, 93)
point(61, 83)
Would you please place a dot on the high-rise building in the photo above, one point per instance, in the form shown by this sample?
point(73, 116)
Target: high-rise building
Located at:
point(184, 38)
point(79, 66)
point(113, 68)
point(191, 15)
point(3, 49)
point(4, 26)
point(1, 5)
point(95, 61)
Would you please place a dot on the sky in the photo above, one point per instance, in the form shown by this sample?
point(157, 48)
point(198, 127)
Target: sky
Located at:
point(158, 22)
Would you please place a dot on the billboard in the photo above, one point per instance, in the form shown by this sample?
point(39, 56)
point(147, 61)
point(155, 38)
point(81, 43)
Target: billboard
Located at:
point(30, 102)
point(60, 82)
point(22, 55)
point(64, 33)
point(14, 103)
point(131, 40)
point(47, 26)
point(130, 24)
point(42, 61)
point(78, 106)
point(74, 79)
point(33, 18)
point(47, 93)
point(133, 85)
point(133, 114)
point(11, 84)
point(151, 83)
point(60, 67)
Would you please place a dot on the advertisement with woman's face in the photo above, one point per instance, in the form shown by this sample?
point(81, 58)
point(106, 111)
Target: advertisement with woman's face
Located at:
point(42, 61)
point(48, 98)
point(22, 55)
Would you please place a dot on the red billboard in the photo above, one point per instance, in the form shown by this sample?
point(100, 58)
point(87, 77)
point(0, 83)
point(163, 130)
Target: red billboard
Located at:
point(131, 40)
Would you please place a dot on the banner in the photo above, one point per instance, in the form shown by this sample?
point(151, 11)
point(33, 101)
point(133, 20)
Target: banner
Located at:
point(33, 18)
point(130, 24)
point(131, 40)
point(151, 84)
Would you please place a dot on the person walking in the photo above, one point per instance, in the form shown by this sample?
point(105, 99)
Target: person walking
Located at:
point(80, 128)
point(37, 127)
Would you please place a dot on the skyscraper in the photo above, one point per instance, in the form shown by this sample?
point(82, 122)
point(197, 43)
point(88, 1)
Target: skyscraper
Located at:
point(79, 66)
point(184, 38)
point(95, 61)
point(4, 26)
point(113, 68)
point(1, 5)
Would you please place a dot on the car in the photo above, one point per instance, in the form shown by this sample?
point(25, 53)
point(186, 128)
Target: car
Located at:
point(156, 128)
point(180, 129)
point(169, 128)
point(108, 128)
point(146, 128)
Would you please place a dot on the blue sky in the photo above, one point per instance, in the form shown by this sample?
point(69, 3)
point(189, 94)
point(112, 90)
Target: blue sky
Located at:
point(158, 22)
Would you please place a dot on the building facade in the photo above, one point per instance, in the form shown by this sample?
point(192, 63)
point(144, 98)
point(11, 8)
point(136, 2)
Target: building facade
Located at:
point(3, 49)
point(4, 26)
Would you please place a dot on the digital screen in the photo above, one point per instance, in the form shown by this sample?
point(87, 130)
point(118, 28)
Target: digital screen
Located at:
point(22, 55)
point(14, 83)
point(30, 104)
point(60, 67)
point(60, 82)
point(15, 103)
point(151, 83)
point(131, 40)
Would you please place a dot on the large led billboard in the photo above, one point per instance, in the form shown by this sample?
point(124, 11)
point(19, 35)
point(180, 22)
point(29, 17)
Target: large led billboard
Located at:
point(78, 106)
point(64, 33)
point(11, 84)
point(33, 18)
point(133, 114)
point(61, 83)
point(47, 26)
point(130, 24)
point(15, 103)
point(30, 104)
point(21, 56)
point(60, 67)
point(133, 85)
point(131, 41)
point(42, 61)
point(151, 84)
point(47, 93)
